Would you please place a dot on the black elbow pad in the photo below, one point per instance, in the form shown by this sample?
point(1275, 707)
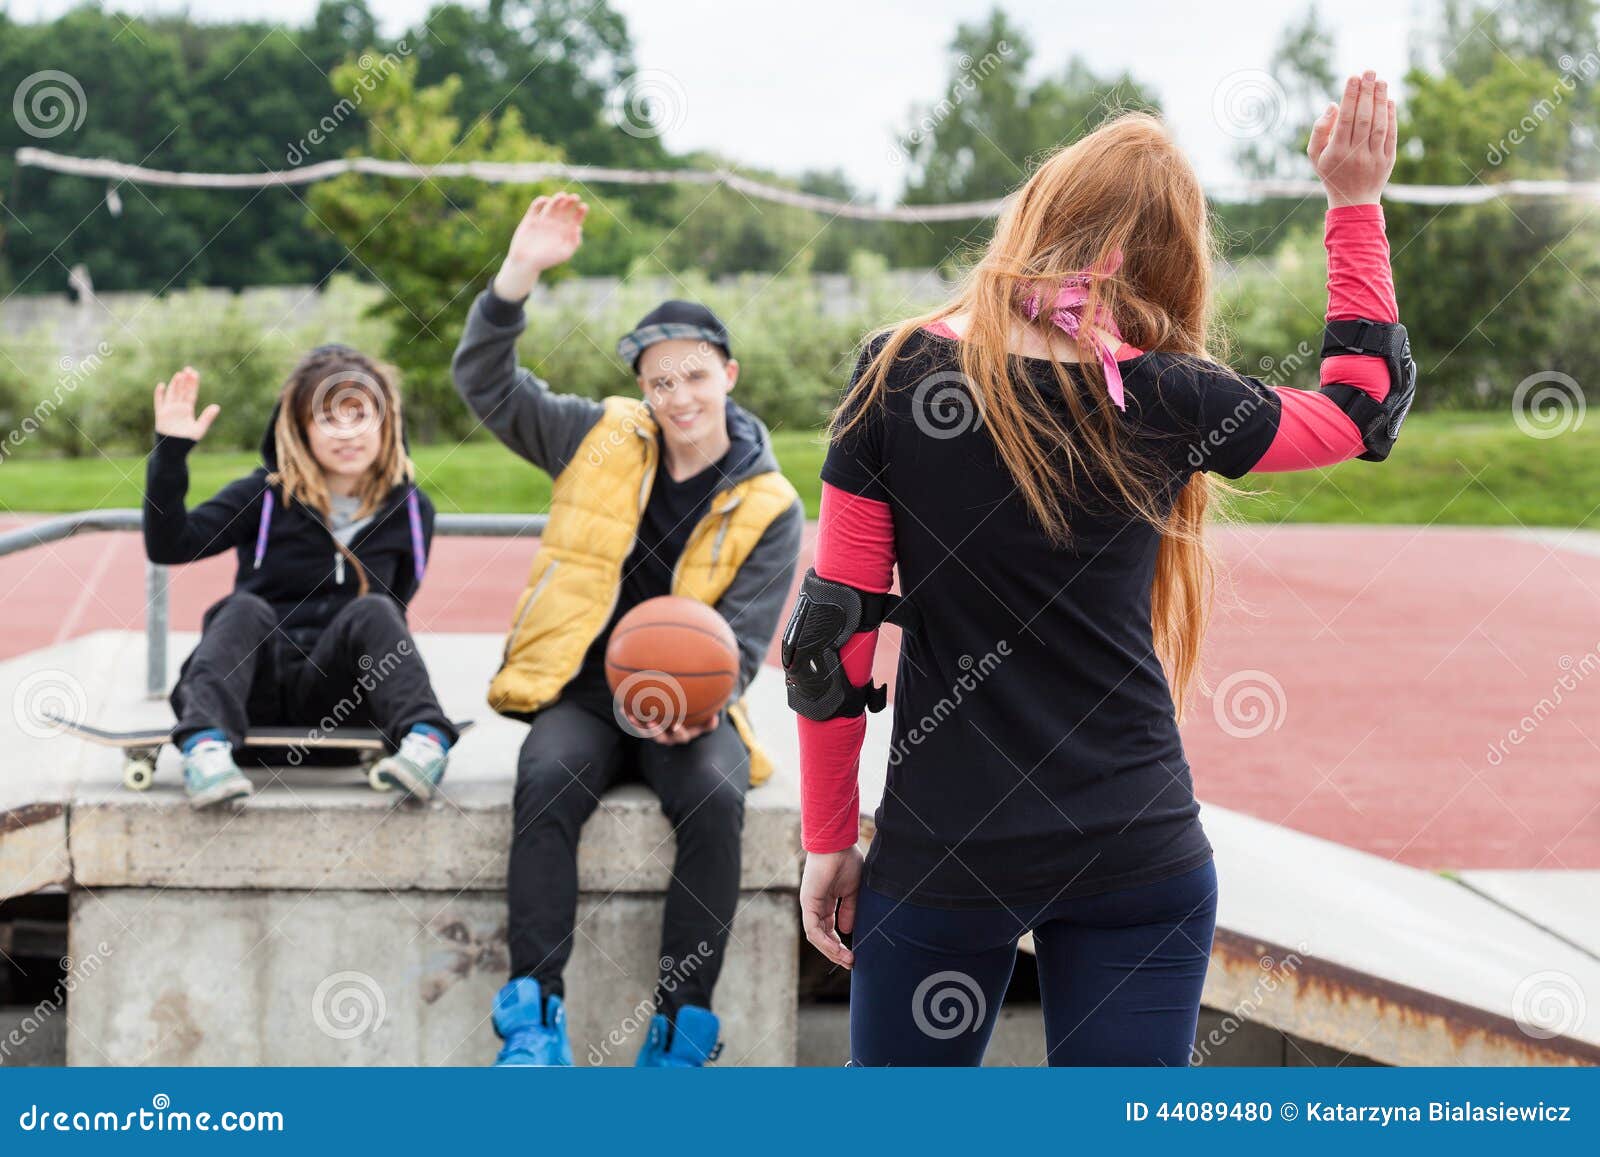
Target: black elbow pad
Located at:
point(1379, 422)
point(826, 614)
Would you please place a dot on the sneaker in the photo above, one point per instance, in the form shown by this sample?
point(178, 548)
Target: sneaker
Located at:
point(210, 776)
point(415, 769)
point(533, 1026)
point(687, 1041)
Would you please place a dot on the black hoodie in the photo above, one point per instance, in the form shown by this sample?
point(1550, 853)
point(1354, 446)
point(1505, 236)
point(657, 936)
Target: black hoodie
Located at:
point(297, 567)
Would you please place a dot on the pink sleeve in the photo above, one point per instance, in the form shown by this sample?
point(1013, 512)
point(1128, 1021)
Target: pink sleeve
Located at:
point(855, 545)
point(1312, 430)
point(1360, 284)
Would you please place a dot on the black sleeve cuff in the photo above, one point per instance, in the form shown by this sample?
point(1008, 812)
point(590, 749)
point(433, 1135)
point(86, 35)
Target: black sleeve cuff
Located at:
point(169, 447)
point(500, 311)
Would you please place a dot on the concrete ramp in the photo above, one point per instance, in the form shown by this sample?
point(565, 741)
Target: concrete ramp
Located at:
point(1391, 962)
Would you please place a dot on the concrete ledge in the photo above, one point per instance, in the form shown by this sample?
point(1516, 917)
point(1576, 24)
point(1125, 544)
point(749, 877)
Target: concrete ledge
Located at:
point(324, 828)
point(38, 771)
point(324, 923)
point(353, 838)
point(357, 978)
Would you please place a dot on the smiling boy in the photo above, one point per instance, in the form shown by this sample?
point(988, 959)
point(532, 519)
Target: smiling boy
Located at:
point(675, 492)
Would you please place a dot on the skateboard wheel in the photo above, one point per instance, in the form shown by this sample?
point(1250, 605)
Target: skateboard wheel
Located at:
point(378, 783)
point(138, 774)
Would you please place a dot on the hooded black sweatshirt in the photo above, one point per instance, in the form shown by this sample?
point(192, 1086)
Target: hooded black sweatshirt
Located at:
point(296, 567)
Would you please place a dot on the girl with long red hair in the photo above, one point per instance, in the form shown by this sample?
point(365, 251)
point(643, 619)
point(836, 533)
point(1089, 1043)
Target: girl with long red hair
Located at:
point(1036, 457)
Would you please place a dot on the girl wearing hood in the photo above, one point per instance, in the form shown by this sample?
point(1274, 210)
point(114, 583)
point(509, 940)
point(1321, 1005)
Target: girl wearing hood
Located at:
point(332, 538)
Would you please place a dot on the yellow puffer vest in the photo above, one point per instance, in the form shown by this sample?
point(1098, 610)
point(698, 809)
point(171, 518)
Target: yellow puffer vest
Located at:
point(595, 507)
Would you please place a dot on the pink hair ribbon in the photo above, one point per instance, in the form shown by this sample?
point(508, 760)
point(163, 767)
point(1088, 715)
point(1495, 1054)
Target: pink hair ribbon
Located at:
point(1067, 314)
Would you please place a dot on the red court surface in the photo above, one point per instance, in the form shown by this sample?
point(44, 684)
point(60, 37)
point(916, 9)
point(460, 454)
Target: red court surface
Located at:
point(1430, 696)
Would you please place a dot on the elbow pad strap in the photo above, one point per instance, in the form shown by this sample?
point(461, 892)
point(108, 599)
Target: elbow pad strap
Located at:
point(1379, 422)
point(825, 617)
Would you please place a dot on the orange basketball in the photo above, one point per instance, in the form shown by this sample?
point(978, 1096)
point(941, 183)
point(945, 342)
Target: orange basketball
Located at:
point(672, 660)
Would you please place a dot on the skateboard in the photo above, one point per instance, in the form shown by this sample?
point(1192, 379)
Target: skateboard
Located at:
point(264, 747)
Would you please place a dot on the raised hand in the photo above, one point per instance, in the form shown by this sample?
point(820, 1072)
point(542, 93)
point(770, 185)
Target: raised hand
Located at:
point(1352, 144)
point(175, 407)
point(548, 234)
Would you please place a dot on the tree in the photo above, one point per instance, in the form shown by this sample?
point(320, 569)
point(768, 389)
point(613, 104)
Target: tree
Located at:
point(170, 92)
point(1490, 293)
point(982, 137)
point(340, 29)
point(92, 88)
point(433, 244)
point(1302, 82)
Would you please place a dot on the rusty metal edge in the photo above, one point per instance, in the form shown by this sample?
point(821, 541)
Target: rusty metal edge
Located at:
point(30, 814)
point(1458, 1019)
point(26, 818)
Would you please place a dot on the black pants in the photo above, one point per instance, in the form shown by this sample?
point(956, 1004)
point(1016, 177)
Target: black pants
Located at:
point(569, 759)
point(363, 669)
point(1120, 975)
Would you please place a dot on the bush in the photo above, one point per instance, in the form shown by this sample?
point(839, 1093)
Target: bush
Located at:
point(795, 351)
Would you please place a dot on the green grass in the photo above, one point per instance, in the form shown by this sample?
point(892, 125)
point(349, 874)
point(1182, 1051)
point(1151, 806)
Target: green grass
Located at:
point(1450, 469)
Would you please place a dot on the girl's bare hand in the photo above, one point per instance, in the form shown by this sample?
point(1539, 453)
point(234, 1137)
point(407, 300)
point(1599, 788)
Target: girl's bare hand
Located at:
point(175, 417)
point(828, 890)
point(1352, 145)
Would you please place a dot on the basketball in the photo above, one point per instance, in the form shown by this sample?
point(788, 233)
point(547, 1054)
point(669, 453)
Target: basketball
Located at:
point(672, 660)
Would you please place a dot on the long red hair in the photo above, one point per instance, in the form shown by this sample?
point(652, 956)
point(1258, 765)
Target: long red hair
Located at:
point(1125, 188)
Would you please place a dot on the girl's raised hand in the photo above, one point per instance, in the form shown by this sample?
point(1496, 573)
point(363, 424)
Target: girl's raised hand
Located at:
point(548, 234)
point(1353, 143)
point(175, 400)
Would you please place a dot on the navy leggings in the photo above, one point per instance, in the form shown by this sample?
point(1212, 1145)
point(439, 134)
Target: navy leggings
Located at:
point(1120, 975)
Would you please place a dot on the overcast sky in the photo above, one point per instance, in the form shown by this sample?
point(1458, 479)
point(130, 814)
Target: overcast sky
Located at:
point(828, 83)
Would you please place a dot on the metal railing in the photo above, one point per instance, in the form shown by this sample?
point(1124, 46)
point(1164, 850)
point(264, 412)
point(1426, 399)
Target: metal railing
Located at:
point(155, 581)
